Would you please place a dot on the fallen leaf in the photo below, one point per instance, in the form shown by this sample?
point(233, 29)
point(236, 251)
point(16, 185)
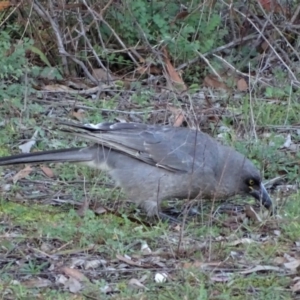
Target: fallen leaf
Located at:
point(128, 261)
point(22, 174)
point(176, 80)
point(26, 147)
point(99, 210)
point(141, 70)
point(74, 273)
point(101, 75)
point(106, 289)
point(178, 115)
point(292, 265)
point(243, 241)
point(264, 45)
point(296, 287)
point(57, 88)
point(78, 114)
point(146, 69)
point(177, 228)
point(260, 268)
point(288, 142)
point(37, 283)
point(83, 208)
point(47, 171)
point(145, 248)
point(242, 85)
point(252, 214)
point(200, 264)
point(5, 187)
point(61, 279)
point(4, 5)
point(224, 277)
point(213, 82)
point(135, 283)
point(73, 285)
point(92, 264)
point(179, 119)
point(279, 260)
point(272, 6)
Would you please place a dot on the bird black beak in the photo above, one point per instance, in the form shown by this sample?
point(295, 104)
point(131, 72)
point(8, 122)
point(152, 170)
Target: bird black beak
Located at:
point(262, 196)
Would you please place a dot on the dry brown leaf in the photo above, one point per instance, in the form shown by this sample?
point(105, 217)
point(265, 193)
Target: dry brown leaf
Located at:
point(178, 114)
point(292, 265)
point(135, 283)
point(78, 114)
point(74, 274)
point(22, 174)
point(56, 88)
point(279, 260)
point(271, 6)
point(81, 211)
point(224, 277)
point(179, 118)
point(26, 147)
point(73, 285)
point(296, 287)
point(154, 70)
point(145, 249)
point(100, 74)
point(4, 5)
point(180, 16)
point(264, 45)
point(260, 268)
point(288, 142)
point(141, 70)
point(173, 74)
point(92, 264)
point(213, 82)
point(242, 85)
point(242, 241)
point(99, 210)
point(177, 227)
point(47, 171)
point(37, 283)
point(252, 214)
point(200, 264)
point(128, 261)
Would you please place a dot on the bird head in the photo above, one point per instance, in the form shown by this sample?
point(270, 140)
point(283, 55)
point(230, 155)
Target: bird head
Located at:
point(240, 176)
point(252, 185)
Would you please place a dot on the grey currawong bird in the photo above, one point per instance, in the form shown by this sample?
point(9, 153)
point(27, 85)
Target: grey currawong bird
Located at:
point(153, 162)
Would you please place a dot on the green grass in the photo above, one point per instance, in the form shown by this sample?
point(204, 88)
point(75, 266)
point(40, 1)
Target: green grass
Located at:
point(38, 238)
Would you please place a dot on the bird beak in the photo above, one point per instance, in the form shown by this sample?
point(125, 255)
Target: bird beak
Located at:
point(262, 195)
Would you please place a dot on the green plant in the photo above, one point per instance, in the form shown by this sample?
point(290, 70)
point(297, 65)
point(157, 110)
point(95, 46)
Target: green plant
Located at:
point(14, 68)
point(156, 23)
point(33, 267)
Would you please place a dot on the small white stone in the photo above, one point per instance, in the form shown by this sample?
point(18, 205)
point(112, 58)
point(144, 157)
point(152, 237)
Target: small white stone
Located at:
point(160, 277)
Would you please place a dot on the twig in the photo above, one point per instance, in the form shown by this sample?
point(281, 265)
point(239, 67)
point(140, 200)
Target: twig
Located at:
point(221, 48)
point(266, 40)
point(46, 16)
point(101, 19)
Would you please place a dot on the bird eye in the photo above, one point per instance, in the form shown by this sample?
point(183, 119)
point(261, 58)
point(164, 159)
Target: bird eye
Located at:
point(251, 182)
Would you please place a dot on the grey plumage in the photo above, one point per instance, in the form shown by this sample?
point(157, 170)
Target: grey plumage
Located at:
point(153, 162)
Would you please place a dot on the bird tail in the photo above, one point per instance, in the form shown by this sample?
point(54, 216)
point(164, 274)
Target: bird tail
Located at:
point(61, 155)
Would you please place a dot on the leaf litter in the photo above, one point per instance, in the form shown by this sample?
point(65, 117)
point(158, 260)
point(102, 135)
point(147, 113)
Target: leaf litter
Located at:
point(78, 269)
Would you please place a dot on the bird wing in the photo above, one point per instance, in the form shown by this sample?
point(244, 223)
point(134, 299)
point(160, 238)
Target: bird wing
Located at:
point(174, 149)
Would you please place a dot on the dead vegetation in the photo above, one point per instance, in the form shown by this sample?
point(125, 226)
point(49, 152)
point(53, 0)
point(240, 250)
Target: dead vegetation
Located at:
point(231, 69)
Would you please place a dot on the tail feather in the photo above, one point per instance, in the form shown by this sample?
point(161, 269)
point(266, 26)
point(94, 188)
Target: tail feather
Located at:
point(61, 155)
